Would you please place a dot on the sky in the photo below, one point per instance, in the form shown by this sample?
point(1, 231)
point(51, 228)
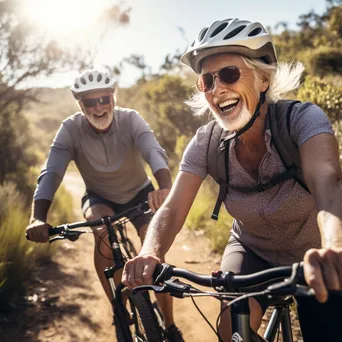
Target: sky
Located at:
point(161, 27)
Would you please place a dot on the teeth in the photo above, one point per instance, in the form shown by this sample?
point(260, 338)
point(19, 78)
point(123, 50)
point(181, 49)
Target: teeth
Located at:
point(228, 102)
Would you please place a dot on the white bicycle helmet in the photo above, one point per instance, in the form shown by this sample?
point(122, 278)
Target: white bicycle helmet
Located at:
point(92, 80)
point(230, 36)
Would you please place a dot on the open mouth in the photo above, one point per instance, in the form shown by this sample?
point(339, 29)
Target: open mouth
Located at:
point(99, 116)
point(229, 105)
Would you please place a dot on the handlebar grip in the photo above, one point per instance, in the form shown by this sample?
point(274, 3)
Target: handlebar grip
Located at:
point(55, 230)
point(157, 272)
point(162, 272)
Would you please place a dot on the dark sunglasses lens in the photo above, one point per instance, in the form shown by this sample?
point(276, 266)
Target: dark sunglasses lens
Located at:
point(104, 100)
point(89, 103)
point(205, 82)
point(229, 75)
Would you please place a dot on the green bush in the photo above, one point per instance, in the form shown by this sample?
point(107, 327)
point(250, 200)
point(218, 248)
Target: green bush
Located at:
point(19, 257)
point(325, 60)
point(325, 95)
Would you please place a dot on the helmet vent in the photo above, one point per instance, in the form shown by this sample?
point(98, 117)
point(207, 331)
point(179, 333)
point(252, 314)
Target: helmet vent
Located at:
point(219, 29)
point(99, 78)
point(203, 33)
point(83, 80)
point(76, 86)
point(255, 32)
point(107, 80)
point(192, 44)
point(234, 32)
point(90, 77)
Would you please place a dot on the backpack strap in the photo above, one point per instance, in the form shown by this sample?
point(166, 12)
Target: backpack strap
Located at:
point(280, 124)
point(217, 155)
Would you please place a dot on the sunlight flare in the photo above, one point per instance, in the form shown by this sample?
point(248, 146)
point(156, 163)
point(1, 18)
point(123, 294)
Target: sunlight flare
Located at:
point(63, 17)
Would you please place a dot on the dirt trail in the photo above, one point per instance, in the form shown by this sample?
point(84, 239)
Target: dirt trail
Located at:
point(67, 303)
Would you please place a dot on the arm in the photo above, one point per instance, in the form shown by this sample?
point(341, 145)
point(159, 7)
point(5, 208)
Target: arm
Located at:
point(162, 230)
point(37, 230)
point(49, 180)
point(157, 198)
point(322, 173)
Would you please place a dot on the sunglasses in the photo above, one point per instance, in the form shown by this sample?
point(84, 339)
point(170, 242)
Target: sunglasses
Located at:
point(103, 100)
point(227, 75)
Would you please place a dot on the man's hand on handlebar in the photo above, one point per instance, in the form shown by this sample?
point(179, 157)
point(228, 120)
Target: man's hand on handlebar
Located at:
point(156, 198)
point(38, 231)
point(139, 270)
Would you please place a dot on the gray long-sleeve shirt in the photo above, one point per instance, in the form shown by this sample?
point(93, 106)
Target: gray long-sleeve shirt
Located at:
point(110, 163)
point(279, 224)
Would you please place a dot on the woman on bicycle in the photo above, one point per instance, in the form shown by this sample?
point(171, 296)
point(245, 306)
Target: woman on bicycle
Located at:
point(239, 79)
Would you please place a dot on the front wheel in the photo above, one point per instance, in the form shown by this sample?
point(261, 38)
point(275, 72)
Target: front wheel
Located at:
point(141, 320)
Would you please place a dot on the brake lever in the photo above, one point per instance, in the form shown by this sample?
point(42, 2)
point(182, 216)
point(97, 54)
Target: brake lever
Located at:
point(69, 234)
point(173, 286)
point(56, 238)
point(155, 288)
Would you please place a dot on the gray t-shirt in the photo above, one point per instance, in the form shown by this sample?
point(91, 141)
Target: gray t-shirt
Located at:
point(111, 163)
point(279, 224)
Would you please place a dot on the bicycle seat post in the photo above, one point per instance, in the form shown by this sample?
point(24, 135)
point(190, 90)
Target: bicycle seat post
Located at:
point(114, 243)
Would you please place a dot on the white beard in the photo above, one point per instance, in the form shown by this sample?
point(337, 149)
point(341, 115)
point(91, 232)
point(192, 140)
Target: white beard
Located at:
point(237, 123)
point(100, 123)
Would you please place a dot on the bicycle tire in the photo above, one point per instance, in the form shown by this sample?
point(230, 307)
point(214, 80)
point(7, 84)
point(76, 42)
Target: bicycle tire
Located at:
point(146, 326)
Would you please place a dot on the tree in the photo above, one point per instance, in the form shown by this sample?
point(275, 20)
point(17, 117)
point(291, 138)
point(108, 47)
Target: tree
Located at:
point(24, 56)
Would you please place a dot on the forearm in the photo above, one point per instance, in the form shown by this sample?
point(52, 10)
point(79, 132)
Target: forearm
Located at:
point(161, 232)
point(330, 215)
point(40, 209)
point(163, 178)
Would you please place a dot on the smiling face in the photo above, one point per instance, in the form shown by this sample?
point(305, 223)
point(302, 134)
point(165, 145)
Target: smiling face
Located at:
point(233, 105)
point(100, 116)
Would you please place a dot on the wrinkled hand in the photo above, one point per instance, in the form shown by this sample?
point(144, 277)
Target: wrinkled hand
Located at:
point(156, 198)
point(38, 231)
point(139, 271)
point(323, 271)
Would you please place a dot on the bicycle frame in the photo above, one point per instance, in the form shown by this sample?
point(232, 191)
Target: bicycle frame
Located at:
point(241, 330)
point(119, 263)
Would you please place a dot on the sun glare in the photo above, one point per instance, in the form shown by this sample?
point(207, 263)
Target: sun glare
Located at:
point(60, 18)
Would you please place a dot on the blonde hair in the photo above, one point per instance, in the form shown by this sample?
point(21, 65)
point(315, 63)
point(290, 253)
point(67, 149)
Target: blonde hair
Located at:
point(283, 77)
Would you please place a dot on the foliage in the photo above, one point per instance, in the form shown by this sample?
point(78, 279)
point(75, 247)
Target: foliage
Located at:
point(325, 95)
point(19, 257)
point(326, 60)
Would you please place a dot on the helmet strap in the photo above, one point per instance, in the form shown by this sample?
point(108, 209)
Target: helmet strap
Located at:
point(250, 123)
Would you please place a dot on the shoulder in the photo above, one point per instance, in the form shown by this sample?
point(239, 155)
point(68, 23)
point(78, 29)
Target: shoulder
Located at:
point(307, 120)
point(74, 120)
point(126, 114)
point(206, 133)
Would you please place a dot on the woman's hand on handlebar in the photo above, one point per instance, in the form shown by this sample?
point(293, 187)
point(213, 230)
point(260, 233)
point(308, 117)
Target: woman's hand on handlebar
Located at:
point(38, 231)
point(323, 271)
point(139, 271)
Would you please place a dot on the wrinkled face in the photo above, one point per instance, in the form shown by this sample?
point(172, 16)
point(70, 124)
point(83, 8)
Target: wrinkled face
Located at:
point(99, 116)
point(234, 104)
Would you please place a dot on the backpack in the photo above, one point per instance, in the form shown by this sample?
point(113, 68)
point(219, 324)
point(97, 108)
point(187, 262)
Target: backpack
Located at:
point(278, 120)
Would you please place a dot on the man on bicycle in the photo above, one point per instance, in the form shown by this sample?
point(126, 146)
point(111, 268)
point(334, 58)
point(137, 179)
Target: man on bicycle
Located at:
point(108, 145)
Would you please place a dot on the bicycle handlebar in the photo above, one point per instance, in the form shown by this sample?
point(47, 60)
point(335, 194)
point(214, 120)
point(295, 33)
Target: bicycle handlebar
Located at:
point(63, 230)
point(278, 280)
